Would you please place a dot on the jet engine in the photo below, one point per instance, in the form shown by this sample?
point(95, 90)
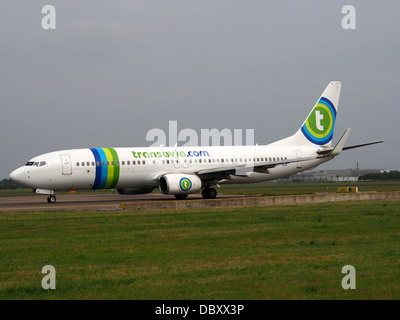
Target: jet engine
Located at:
point(179, 184)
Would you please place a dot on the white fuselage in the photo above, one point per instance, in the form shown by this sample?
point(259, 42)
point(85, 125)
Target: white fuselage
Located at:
point(109, 168)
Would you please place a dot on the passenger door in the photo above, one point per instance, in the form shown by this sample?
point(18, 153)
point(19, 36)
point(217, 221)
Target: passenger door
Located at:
point(66, 164)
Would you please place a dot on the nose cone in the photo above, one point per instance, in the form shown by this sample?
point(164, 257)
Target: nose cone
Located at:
point(18, 176)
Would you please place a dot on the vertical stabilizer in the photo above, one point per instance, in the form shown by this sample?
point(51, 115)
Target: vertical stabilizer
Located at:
point(317, 129)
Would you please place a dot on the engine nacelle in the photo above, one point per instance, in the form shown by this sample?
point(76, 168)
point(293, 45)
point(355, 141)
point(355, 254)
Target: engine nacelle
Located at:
point(177, 183)
point(134, 190)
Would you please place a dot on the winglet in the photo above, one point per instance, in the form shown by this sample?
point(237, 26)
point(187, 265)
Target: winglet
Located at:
point(339, 146)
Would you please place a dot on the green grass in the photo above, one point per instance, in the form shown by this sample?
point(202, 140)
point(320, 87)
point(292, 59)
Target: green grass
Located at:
point(293, 252)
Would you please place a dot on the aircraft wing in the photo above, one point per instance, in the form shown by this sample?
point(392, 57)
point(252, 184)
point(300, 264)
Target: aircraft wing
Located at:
point(245, 169)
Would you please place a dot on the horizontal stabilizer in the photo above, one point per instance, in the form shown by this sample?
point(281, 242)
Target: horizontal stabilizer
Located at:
point(362, 145)
point(340, 146)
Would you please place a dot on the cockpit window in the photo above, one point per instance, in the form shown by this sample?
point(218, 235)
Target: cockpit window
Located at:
point(36, 164)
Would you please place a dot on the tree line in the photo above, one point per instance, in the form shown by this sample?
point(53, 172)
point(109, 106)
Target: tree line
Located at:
point(385, 176)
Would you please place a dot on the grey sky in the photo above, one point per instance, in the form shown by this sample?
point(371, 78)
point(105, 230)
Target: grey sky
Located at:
point(113, 70)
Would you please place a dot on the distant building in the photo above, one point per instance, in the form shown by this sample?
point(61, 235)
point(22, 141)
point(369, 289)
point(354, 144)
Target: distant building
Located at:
point(330, 175)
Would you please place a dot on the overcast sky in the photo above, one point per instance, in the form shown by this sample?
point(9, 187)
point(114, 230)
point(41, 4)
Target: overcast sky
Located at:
point(113, 70)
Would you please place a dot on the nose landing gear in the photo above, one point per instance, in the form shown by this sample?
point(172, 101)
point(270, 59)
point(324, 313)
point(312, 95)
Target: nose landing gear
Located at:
point(51, 198)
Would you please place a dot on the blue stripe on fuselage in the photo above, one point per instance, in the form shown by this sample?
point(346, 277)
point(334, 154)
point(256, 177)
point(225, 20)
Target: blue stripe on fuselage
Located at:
point(104, 168)
point(98, 168)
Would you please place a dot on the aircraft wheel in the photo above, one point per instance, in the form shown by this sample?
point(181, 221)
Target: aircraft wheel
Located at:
point(209, 193)
point(51, 199)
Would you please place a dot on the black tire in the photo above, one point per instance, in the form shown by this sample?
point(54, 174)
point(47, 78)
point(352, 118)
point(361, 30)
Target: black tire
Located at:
point(209, 193)
point(180, 196)
point(51, 199)
point(212, 193)
point(204, 193)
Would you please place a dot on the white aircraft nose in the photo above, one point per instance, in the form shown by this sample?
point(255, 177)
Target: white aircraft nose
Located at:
point(18, 175)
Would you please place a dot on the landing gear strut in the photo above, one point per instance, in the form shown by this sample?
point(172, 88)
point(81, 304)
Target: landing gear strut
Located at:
point(209, 193)
point(51, 198)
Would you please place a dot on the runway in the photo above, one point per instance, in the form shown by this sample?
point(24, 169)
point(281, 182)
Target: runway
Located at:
point(93, 201)
point(164, 202)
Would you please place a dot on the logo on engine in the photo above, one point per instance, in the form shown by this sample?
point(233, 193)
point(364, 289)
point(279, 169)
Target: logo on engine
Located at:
point(185, 184)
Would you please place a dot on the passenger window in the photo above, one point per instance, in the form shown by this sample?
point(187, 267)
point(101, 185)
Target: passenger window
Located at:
point(143, 162)
point(77, 164)
point(83, 164)
point(128, 163)
point(102, 163)
point(133, 162)
point(138, 162)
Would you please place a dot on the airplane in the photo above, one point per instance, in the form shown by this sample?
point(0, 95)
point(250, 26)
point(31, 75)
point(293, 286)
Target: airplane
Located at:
point(185, 170)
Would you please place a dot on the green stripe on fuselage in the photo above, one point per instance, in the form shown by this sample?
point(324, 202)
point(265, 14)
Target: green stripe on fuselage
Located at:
point(116, 168)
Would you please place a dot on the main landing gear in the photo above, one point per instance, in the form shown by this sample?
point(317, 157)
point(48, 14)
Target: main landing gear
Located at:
point(51, 198)
point(209, 193)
